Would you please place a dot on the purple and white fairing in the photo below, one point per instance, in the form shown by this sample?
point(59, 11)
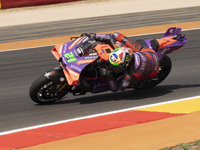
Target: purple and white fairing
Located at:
point(180, 42)
point(71, 53)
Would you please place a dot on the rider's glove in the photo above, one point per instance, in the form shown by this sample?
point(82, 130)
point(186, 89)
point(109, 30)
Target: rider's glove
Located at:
point(128, 58)
point(104, 72)
point(85, 34)
point(92, 35)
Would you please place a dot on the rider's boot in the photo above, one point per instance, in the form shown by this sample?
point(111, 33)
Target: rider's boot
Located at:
point(113, 85)
point(125, 82)
point(124, 85)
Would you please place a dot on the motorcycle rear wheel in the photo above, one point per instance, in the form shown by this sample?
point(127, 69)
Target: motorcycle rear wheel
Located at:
point(164, 70)
point(45, 91)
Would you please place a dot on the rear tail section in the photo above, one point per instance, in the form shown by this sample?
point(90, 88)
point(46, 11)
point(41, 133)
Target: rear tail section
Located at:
point(172, 32)
point(171, 41)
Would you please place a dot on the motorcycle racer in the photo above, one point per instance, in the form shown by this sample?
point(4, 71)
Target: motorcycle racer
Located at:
point(129, 58)
point(94, 61)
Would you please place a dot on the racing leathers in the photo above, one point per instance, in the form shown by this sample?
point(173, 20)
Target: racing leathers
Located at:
point(142, 64)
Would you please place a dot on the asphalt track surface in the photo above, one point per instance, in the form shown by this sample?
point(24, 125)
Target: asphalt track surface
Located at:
point(98, 24)
point(20, 68)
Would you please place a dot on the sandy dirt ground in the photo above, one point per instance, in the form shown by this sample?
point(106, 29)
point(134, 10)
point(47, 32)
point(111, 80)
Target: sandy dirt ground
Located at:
point(85, 9)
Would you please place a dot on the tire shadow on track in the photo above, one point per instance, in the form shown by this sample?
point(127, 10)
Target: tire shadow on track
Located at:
point(129, 94)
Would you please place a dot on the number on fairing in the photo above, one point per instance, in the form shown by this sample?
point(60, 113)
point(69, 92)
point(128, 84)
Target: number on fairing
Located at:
point(70, 57)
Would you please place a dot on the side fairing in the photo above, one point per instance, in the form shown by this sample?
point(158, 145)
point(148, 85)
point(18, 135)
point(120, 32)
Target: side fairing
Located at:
point(74, 63)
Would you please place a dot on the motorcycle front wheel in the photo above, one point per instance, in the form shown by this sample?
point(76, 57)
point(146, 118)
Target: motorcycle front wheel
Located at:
point(45, 91)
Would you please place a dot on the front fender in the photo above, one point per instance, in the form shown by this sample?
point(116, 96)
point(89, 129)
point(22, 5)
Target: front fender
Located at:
point(55, 74)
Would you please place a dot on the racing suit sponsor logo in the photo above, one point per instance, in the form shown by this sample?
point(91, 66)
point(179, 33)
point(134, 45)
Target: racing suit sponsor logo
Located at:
point(144, 62)
point(137, 60)
point(127, 40)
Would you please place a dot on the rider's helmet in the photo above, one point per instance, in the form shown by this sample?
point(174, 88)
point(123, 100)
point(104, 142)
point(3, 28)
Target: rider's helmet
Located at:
point(120, 56)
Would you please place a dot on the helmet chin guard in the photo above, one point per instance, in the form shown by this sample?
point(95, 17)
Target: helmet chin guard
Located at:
point(117, 57)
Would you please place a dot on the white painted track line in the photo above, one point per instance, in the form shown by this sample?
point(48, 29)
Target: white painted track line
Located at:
point(96, 115)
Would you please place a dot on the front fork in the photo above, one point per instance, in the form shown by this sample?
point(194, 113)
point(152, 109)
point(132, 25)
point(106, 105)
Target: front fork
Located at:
point(57, 75)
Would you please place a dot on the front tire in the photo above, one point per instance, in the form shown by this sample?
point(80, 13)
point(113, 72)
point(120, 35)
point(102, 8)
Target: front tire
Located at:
point(45, 91)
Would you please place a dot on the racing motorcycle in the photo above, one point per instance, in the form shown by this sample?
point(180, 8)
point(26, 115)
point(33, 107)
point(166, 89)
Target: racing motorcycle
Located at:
point(80, 62)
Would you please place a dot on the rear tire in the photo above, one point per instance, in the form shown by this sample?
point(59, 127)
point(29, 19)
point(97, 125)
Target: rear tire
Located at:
point(45, 91)
point(164, 70)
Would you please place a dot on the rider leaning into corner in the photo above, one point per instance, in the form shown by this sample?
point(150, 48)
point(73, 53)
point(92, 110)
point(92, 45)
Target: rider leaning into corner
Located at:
point(129, 58)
